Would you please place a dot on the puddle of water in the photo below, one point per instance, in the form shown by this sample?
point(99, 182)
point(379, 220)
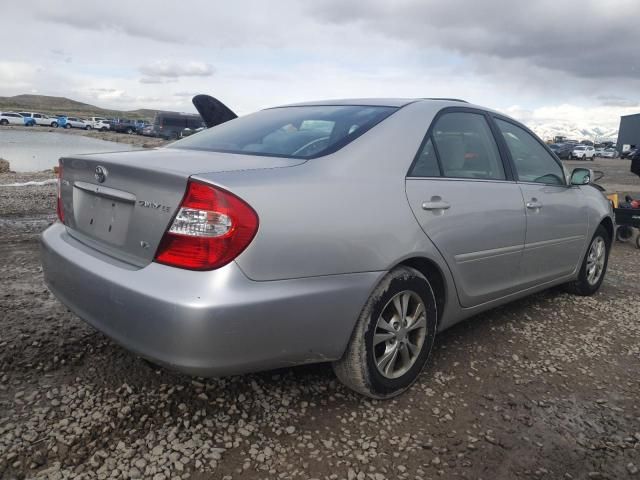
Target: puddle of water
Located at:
point(30, 151)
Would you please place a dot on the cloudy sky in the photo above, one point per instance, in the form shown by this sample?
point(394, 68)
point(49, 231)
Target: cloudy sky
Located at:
point(554, 62)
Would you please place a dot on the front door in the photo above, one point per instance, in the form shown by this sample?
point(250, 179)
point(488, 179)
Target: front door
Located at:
point(468, 206)
point(556, 214)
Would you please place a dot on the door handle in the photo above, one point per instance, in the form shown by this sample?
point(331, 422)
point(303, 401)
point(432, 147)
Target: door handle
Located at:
point(436, 205)
point(534, 204)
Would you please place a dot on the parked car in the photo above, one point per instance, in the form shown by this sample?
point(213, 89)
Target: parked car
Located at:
point(583, 152)
point(629, 153)
point(98, 123)
point(147, 131)
point(288, 236)
point(609, 153)
point(599, 150)
point(62, 121)
point(13, 118)
point(140, 126)
point(124, 125)
point(170, 125)
point(189, 131)
point(75, 122)
point(562, 150)
point(41, 119)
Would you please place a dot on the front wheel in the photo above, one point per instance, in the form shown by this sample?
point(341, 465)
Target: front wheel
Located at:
point(67, 126)
point(594, 265)
point(392, 338)
point(4, 122)
point(88, 127)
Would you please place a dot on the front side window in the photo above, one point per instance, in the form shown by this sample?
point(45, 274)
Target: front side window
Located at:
point(466, 147)
point(532, 161)
point(298, 132)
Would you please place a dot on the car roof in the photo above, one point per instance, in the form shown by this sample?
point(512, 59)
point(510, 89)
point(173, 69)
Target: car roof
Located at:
point(374, 102)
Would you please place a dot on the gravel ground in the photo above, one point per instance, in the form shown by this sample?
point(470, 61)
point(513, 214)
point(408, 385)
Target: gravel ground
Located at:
point(545, 387)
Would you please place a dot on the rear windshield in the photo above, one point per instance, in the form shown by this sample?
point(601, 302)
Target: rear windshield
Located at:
point(298, 132)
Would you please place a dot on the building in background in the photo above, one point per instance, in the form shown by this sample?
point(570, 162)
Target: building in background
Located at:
point(629, 133)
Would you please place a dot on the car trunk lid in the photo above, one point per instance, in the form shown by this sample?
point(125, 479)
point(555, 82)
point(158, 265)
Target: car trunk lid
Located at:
point(122, 203)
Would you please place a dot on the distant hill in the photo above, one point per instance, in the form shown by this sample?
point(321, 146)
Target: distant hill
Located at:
point(62, 105)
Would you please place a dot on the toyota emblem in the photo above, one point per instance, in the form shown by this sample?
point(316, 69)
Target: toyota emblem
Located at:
point(100, 174)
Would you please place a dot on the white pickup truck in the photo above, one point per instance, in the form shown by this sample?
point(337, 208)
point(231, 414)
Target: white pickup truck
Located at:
point(42, 119)
point(98, 123)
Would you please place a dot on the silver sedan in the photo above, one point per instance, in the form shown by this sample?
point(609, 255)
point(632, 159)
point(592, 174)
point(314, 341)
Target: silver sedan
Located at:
point(346, 231)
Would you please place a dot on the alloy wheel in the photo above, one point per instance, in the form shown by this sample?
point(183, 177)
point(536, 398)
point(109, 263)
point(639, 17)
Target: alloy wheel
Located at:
point(399, 334)
point(595, 260)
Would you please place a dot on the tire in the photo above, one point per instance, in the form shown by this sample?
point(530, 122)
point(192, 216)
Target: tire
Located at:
point(67, 126)
point(4, 122)
point(363, 367)
point(128, 131)
point(624, 233)
point(587, 282)
point(54, 124)
point(584, 157)
point(88, 127)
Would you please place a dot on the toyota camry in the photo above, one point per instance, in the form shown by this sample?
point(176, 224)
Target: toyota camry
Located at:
point(348, 232)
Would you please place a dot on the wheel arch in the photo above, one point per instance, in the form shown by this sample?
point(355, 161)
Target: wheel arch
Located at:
point(607, 223)
point(434, 274)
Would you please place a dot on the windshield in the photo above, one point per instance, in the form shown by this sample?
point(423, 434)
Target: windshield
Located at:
point(579, 148)
point(299, 132)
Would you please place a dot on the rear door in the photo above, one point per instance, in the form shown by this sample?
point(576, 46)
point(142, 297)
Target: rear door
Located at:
point(464, 197)
point(557, 217)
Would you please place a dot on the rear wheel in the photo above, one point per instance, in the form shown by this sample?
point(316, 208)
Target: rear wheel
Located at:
point(624, 233)
point(67, 125)
point(594, 265)
point(393, 337)
point(4, 121)
point(129, 130)
point(88, 127)
point(54, 124)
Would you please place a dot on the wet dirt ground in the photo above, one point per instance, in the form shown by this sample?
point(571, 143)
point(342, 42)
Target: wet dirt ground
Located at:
point(546, 387)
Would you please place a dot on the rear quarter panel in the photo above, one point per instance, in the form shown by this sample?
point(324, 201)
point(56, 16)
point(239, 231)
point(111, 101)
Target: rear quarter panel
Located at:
point(342, 213)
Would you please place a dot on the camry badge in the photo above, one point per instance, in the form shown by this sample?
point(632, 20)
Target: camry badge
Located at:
point(100, 174)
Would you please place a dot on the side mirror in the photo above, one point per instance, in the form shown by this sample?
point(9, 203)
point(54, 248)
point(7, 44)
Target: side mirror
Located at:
point(581, 176)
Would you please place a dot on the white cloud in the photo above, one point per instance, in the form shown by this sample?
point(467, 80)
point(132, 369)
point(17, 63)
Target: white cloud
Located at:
point(174, 69)
point(144, 56)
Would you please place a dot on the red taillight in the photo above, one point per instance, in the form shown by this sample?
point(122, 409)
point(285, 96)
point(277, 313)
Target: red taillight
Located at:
point(211, 228)
point(59, 209)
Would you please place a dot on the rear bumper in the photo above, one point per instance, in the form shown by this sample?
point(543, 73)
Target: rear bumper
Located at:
point(205, 323)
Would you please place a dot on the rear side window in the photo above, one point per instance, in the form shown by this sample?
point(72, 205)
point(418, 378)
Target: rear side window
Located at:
point(298, 132)
point(465, 147)
point(532, 161)
point(426, 164)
